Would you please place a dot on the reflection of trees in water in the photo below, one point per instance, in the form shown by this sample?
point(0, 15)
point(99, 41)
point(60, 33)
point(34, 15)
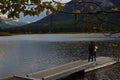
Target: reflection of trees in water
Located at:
point(107, 73)
point(79, 50)
point(115, 51)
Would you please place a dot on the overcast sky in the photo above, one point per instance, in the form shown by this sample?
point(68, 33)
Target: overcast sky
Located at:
point(30, 19)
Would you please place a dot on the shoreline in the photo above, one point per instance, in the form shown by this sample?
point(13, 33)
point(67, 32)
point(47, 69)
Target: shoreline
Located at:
point(5, 34)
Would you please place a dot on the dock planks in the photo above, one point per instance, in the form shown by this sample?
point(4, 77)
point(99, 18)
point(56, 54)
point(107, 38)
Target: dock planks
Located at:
point(73, 67)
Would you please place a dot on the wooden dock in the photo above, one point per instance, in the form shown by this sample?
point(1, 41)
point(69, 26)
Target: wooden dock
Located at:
point(101, 62)
point(68, 69)
point(63, 70)
point(73, 67)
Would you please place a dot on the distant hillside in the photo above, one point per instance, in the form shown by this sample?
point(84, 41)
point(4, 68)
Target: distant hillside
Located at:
point(8, 23)
point(60, 22)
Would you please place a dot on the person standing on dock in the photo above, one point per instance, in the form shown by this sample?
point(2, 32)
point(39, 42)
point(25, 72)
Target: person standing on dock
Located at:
point(95, 50)
point(91, 49)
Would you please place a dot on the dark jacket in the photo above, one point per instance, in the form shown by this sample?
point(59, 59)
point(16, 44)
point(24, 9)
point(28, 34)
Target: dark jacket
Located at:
point(91, 47)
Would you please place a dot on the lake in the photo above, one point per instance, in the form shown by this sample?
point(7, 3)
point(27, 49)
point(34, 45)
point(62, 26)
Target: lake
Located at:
point(25, 54)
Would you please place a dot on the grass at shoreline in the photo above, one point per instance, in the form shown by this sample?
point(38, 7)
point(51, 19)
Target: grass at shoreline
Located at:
point(5, 34)
point(67, 33)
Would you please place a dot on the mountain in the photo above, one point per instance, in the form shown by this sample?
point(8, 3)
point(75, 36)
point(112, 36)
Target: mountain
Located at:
point(116, 2)
point(61, 22)
point(7, 23)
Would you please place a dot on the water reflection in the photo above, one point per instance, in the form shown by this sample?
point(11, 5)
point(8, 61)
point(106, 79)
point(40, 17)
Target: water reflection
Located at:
point(20, 56)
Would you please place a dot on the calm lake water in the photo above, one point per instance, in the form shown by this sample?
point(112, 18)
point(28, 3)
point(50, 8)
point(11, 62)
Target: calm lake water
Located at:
point(24, 54)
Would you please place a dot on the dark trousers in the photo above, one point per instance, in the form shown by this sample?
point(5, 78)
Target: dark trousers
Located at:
point(91, 56)
point(94, 56)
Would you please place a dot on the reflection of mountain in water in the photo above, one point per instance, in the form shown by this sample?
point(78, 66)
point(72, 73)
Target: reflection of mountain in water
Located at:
point(63, 37)
point(24, 54)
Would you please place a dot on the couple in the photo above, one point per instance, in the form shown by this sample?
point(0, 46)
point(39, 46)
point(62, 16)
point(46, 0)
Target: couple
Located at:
point(92, 51)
